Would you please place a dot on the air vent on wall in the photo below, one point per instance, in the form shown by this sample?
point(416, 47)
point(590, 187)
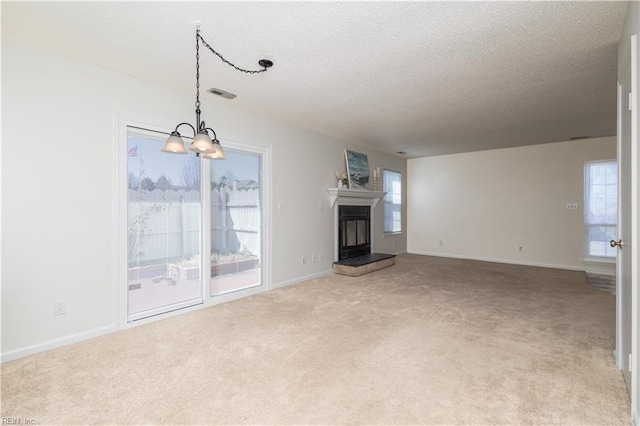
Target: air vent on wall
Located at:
point(222, 93)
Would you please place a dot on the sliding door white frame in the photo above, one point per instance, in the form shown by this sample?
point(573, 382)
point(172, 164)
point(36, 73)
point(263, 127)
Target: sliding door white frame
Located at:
point(120, 228)
point(266, 240)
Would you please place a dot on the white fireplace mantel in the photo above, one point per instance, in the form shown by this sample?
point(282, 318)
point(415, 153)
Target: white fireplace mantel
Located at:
point(354, 197)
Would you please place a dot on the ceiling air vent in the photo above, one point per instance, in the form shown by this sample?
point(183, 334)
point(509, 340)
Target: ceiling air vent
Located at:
point(222, 93)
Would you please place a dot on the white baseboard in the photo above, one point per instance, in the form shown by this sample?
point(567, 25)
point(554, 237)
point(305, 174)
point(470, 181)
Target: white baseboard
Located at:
point(90, 334)
point(56, 343)
point(302, 279)
point(636, 418)
point(487, 259)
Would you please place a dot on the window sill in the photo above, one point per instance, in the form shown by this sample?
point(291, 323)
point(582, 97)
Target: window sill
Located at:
point(593, 259)
point(599, 265)
point(392, 233)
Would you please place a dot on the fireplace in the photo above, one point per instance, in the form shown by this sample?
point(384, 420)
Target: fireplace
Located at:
point(354, 231)
point(354, 245)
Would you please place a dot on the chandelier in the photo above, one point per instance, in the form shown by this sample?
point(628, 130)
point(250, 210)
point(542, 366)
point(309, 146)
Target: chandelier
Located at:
point(202, 144)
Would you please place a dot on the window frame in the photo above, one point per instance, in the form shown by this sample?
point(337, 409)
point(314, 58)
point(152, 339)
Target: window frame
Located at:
point(159, 135)
point(385, 202)
point(265, 235)
point(120, 222)
point(586, 206)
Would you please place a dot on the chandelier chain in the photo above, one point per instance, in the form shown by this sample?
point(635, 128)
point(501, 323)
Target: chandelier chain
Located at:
point(202, 142)
point(205, 44)
point(197, 72)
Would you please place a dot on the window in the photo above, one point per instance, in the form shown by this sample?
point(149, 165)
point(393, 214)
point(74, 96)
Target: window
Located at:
point(173, 209)
point(600, 207)
point(236, 222)
point(392, 185)
point(163, 227)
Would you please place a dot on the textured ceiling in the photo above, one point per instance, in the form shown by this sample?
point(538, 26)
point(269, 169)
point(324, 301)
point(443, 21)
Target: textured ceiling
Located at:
point(427, 78)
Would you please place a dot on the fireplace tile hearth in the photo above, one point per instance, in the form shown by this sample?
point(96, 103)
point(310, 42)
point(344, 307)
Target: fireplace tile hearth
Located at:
point(361, 265)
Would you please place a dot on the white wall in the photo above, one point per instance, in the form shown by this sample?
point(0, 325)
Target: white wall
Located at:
point(487, 204)
point(59, 134)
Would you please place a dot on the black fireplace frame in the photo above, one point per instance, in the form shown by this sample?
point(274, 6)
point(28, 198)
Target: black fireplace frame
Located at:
point(359, 217)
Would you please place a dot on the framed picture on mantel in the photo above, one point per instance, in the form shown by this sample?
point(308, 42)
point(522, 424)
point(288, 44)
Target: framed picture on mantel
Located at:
point(357, 170)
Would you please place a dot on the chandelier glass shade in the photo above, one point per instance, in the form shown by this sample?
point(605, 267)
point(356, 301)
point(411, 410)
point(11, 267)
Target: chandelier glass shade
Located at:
point(201, 144)
point(217, 153)
point(174, 144)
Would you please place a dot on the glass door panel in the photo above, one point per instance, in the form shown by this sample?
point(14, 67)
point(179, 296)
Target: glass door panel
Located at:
point(163, 228)
point(236, 222)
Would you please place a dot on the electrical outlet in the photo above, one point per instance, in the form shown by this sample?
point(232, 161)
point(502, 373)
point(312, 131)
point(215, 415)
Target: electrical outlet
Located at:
point(303, 260)
point(572, 206)
point(313, 257)
point(320, 256)
point(58, 308)
point(441, 243)
point(519, 248)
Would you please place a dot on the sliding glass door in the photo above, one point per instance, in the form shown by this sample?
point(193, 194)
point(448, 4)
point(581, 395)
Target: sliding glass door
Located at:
point(179, 207)
point(236, 222)
point(163, 227)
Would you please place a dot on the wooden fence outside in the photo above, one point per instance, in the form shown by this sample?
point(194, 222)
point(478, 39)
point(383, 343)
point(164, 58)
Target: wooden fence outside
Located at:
point(165, 225)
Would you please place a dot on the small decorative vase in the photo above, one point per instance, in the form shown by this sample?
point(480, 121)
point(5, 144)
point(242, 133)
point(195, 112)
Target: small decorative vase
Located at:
point(340, 184)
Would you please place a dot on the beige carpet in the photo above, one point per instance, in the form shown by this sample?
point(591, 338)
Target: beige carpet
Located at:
point(428, 341)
